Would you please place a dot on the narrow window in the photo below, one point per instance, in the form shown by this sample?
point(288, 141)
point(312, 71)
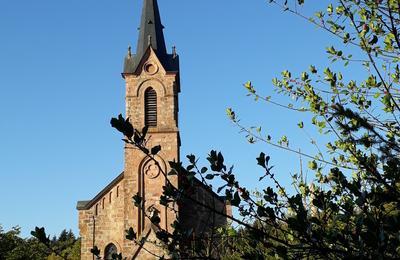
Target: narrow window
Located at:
point(109, 199)
point(104, 202)
point(117, 191)
point(96, 211)
point(150, 107)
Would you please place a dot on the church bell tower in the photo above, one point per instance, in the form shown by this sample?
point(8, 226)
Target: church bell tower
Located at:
point(152, 87)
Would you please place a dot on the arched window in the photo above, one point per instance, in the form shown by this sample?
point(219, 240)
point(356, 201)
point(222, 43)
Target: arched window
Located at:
point(150, 107)
point(110, 250)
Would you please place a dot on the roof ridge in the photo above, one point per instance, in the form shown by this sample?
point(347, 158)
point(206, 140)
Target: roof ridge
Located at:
point(86, 204)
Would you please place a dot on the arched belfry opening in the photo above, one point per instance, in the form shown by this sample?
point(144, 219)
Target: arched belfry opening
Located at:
point(109, 251)
point(150, 107)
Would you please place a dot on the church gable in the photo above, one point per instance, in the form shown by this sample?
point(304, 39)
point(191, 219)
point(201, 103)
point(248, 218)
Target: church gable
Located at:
point(115, 185)
point(150, 65)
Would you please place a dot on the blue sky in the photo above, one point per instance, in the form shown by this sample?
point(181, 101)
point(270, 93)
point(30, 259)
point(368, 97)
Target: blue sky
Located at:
point(60, 83)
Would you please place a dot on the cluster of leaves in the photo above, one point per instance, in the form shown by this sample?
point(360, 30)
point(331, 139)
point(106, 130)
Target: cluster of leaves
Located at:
point(64, 247)
point(352, 208)
point(13, 247)
point(274, 226)
point(175, 242)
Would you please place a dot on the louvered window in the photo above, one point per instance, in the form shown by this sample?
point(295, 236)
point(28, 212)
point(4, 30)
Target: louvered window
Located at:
point(150, 104)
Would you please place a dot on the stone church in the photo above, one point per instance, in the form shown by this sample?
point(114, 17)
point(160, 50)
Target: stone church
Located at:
point(152, 87)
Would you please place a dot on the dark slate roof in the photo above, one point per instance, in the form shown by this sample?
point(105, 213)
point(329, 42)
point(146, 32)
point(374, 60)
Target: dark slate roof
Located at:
point(170, 63)
point(82, 204)
point(151, 34)
point(151, 30)
point(87, 204)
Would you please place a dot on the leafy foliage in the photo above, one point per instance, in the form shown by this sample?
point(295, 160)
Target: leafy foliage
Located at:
point(13, 247)
point(351, 210)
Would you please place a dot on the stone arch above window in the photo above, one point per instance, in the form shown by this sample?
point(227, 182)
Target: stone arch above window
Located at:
point(110, 250)
point(150, 107)
point(154, 83)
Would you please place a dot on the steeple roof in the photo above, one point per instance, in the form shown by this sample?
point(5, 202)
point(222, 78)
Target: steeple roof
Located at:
point(151, 30)
point(150, 34)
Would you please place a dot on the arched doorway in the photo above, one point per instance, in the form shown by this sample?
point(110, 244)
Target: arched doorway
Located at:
point(110, 250)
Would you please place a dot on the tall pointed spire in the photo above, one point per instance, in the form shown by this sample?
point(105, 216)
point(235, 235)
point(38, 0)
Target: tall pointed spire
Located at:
point(151, 34)
point(151, 30)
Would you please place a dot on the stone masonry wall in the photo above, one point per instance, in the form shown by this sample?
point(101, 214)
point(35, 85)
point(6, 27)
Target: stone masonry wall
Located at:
point(104, 220)
point(142, 176)
point(199, 218)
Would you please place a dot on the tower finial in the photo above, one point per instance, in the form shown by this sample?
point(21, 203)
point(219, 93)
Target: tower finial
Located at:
point(174, 52)
point(129, 51)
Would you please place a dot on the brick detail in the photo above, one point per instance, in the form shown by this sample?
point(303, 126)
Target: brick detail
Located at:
point(104, 227)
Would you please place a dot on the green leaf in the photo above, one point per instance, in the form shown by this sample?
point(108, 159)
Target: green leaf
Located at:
point(261, 211)
point(123, 126)
point(137, 200)
point(319, 15)
point(156, 149)
point(231, 114)
point(210, 176)
point(374, 40)
point(236, 200)
point(312, 69)
point(330, 9)
point(312, 165)
point(144, 131)
point(155, 219)
point(261, 160)
point(220, 188)
point(191, 158)
point(95, 251)
point(130, 234)
point(216, 161)
point(40, 234)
